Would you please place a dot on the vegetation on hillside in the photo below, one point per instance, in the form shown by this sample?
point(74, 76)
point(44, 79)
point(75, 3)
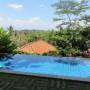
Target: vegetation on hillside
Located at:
point(68, 42)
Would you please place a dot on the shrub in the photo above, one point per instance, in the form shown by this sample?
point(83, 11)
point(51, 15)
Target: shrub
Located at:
point(6, 45)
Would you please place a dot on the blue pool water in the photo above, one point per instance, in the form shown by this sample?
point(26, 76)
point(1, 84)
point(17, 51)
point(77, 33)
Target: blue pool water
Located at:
point(61, 66)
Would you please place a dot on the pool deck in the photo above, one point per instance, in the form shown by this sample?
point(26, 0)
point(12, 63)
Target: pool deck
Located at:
point(28, 81)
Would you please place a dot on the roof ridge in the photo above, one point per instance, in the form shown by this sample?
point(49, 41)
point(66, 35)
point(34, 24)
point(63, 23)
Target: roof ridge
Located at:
point(39, 46)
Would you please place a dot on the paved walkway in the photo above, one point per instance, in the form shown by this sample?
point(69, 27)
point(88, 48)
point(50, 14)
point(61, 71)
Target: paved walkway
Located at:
point(25, 83)
point(18, 82)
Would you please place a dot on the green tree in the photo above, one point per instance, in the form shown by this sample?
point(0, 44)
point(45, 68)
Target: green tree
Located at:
point(85, 19)
point(69, 11)
point(86, 36)
point(10, 29)
point(6, 45)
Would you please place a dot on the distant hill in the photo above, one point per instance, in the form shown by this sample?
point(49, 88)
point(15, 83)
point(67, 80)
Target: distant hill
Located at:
point(33, 30)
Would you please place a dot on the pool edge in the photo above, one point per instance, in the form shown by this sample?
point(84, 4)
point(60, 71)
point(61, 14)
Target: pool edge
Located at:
point(47, 76)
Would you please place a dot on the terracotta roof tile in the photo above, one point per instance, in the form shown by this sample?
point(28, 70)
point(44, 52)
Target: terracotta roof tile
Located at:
point(37, 47)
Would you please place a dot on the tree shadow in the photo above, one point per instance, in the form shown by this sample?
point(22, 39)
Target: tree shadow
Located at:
point(4, 57)
point(68, 61)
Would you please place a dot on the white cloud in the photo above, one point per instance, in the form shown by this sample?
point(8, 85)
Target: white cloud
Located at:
point(34, 23)
point(31, 23)
point(1, 18)
point(15, 6)
point(35, 19)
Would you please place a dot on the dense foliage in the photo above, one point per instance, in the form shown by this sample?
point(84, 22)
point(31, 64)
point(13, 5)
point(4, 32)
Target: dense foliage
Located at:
point(74, 36)
point(6, 45)
point(67, 42)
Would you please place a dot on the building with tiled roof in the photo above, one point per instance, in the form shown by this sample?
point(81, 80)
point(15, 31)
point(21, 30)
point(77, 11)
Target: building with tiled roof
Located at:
point(37, 47)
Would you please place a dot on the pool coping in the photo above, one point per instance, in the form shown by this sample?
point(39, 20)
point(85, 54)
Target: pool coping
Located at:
point(47, 76)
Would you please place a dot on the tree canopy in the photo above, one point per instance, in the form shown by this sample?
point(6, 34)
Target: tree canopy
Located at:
point(6, 45)
point(69, 11)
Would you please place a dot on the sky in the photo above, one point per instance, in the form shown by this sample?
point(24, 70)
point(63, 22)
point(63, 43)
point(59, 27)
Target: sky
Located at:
point(27, 14)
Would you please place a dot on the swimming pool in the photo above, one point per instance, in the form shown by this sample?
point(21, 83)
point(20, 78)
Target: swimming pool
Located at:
point(32, 72)
point(47, 65)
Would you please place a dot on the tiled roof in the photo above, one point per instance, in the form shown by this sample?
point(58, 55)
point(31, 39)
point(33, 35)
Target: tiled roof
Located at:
point(37, 47)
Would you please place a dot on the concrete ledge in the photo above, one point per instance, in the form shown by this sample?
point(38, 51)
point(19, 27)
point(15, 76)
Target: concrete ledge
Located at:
point(87, 79)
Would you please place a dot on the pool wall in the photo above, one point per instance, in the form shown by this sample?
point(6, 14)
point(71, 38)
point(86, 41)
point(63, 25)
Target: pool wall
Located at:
point(11, 81)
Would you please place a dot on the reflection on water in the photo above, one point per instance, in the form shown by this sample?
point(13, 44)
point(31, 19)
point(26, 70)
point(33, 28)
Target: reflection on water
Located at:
point(70, 61)
point(5, 61)
point(4, 57)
